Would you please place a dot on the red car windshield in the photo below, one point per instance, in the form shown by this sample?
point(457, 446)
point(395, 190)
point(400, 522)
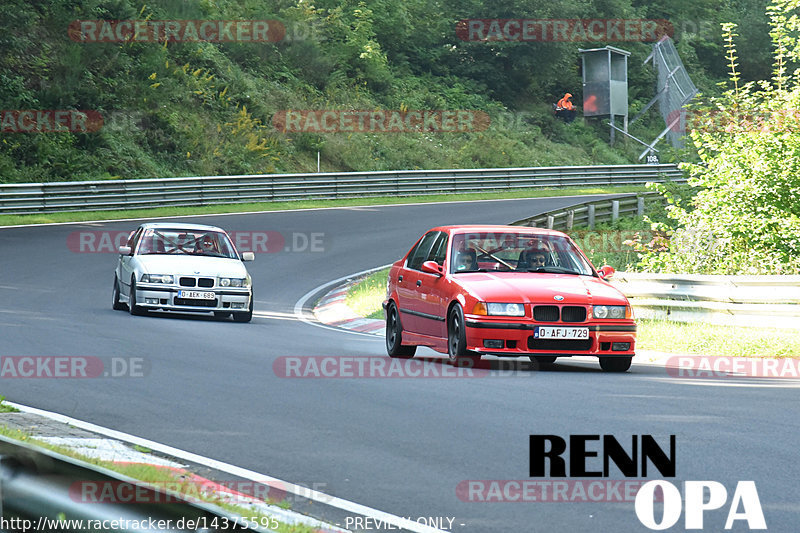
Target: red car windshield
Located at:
point(516, 252)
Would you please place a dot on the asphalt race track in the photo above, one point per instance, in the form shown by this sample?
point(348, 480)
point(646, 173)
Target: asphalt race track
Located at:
point(398, 445)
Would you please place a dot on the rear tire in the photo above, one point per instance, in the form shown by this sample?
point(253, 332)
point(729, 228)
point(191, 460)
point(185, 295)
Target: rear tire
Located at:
point(457, 340)
point(134, 309)
point(394, 335)
point(246, 316)
point(615, 364)
point(115, 303)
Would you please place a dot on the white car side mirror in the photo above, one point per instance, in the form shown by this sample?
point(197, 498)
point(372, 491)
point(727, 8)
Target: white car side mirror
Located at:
point(124, 250)
point(248, 256)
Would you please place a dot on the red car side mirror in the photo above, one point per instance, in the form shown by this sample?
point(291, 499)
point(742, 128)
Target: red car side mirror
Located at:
point(432, 267)
point(606, 271)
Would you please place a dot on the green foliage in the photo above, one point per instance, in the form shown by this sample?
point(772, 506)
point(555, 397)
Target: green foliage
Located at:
point(173, 109)
point(745, 215)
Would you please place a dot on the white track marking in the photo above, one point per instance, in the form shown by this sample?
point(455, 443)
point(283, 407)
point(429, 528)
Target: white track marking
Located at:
point(301, 303)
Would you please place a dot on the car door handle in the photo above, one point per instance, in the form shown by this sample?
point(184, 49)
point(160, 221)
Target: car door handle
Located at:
point(400, 278)
point(419, 282)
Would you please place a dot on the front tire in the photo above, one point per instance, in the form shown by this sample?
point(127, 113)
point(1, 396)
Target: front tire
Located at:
point(247, 316)
point(394, 335)
point(615, 364)
point(115, 303)
point(457, 340)
point(134, 309)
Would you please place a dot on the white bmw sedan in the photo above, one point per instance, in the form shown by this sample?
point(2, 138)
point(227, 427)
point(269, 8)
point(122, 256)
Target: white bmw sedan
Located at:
point(183, 267)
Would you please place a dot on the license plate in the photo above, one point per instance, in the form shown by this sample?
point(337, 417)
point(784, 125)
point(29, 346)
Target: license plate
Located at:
point(196, 295)
point(547, 332)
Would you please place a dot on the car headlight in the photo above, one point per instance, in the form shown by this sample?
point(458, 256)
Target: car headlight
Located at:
point(505, 309)
point(157, 278)
point(611, 311)
point(234, 282)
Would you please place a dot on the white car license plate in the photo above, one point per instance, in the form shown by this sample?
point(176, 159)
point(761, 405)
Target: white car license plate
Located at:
point(547, 332)
point(196, 295)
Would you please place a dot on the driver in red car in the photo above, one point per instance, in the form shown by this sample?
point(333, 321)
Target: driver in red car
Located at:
point(466, 261)
point(537, 259)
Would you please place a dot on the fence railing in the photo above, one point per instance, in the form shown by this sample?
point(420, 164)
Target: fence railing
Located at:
point(587, 214)
point(39, 487)
point(194, 191)
point(757, 301)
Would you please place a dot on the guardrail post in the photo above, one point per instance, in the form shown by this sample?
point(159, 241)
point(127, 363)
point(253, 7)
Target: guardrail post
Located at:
point(640, 206)
point(550, 221)
point(570, 219)
point(614, 210)
point(591, 216)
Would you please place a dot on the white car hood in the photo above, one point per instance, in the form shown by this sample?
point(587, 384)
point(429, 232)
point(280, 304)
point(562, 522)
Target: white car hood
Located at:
point(187, 265)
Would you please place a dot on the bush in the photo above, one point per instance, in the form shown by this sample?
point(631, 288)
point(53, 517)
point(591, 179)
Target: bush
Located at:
point(745, 215)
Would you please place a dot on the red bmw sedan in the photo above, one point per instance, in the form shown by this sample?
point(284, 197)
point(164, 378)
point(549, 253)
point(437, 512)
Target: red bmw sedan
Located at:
point(507, 291)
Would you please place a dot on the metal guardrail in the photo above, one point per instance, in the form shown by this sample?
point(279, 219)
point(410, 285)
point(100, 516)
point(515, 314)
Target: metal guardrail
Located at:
point(43, 487)
point(586, 214)
point(756, 301)
point(180, 192)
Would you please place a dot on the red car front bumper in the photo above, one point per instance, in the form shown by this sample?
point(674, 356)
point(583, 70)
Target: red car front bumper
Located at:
point(504, 337)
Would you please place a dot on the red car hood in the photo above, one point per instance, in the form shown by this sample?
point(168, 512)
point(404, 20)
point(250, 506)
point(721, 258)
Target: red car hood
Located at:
point(539, 288)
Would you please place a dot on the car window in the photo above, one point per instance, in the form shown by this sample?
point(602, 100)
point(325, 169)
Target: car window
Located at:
point(133, 240)
point(187, 242)
point(420, 253)
point(517, 252)
point(439, 249)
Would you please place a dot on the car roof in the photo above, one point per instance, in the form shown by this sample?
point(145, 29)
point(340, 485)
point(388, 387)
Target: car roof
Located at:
point(180, 226)
point(489, 228)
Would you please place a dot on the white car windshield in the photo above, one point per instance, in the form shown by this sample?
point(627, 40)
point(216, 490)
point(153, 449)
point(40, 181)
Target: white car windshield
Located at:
point(186, 242)
point(516, 252)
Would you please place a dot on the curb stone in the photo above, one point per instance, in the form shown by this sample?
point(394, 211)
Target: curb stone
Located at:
point(96, 446)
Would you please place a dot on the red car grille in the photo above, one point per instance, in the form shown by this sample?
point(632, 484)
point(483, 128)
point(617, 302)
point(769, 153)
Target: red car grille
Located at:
point(545, 313)
point(572, 313)
point(551, 313)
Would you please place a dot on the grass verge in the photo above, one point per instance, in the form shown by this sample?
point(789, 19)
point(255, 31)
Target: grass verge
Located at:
point(365, 299)
point(161, 477)
point(366, 296)
point(713, 340)
point(5, 408)
point(83, 216)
